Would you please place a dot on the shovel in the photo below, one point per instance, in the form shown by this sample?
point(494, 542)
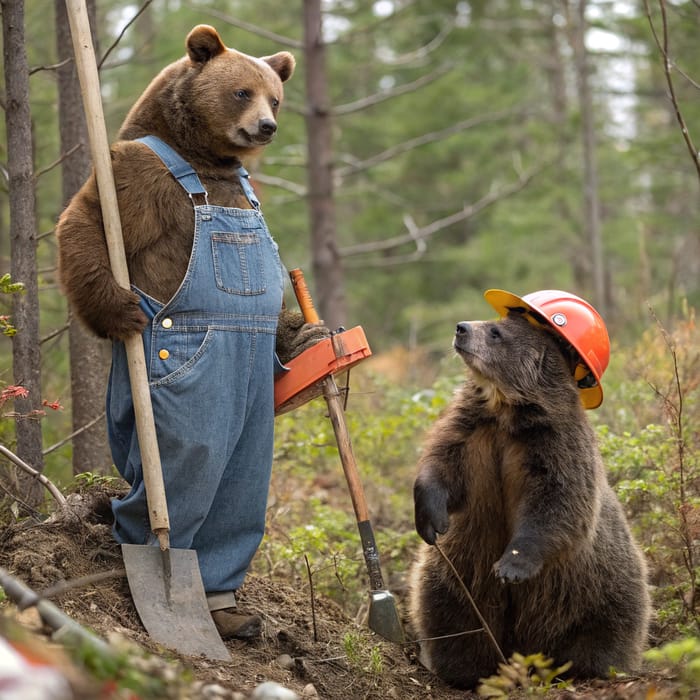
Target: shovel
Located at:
point(166, 584)
point(383, 615)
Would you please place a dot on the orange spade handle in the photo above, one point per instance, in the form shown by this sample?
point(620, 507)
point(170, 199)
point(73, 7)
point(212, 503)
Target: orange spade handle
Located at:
point(303, 295)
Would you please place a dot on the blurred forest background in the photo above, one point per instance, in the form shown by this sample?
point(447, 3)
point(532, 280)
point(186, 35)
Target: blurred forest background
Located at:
point(427, 150)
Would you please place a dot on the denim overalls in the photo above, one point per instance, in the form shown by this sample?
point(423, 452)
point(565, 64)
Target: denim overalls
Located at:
point(210, 358)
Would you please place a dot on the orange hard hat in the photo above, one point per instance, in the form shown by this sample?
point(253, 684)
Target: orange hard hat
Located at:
point(576, 321)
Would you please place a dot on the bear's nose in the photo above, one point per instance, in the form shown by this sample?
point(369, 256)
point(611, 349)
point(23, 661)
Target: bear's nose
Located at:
point(463, 328)
point(267, 127)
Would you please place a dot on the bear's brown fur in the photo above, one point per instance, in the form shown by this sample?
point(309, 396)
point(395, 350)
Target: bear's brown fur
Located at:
point(512, 477)
point(216, 107)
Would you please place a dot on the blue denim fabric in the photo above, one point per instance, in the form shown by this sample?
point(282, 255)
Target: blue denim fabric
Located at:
point(210, 353)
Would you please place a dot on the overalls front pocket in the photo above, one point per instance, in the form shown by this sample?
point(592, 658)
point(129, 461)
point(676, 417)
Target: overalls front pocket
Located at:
point(176, 352)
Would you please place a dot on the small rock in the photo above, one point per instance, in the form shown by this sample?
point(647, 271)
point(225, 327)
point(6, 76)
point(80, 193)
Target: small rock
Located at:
point(309, 691)
point(273, 691)
point(285, 661)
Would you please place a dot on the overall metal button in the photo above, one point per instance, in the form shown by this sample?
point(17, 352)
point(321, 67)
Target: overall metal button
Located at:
point(167, 323)
point(163, 354)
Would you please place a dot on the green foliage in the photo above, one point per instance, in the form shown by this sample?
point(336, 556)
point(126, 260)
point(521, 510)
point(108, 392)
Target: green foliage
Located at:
point(86, 480)
point(680, 657)
point(500, 57)
point(362, 655)
point(127, 667)
point(7, 286)
point(656, 469)
point(310, 512)
point(532, 675)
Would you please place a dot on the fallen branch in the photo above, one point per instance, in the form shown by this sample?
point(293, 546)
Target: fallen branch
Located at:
point(313, 603)
point(51, 487)
point(65, 629)
point(64, 586)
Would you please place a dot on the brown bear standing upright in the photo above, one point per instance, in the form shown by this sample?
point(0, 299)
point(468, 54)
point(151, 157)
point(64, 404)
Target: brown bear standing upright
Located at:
point(512, 479)
point(207, 294)
point(216, 107)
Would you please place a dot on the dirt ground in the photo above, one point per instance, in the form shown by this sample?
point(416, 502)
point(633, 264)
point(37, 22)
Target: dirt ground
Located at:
point(299, 650)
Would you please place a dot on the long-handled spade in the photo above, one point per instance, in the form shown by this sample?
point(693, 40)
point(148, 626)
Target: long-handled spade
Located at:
point(166, 584)
point(383, 615)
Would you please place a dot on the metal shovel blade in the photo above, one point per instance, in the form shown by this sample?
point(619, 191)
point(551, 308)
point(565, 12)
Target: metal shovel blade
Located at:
point(384, 617)
point(170, 600)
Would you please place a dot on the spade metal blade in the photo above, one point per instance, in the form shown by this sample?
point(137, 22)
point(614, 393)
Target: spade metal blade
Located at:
point(169, 595)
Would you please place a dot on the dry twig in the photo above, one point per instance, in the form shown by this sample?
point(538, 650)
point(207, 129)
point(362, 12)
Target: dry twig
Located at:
point(472, 602)
point(51, 487)
point(662, 45)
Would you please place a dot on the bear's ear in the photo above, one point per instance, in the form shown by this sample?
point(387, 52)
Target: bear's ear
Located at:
point(203, 43)
point(282, 63)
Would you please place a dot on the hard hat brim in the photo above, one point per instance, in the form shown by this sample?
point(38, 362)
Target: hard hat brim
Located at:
point(504, 302)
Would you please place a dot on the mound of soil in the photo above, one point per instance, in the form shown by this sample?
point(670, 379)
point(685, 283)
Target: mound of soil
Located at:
point(303, 646)
point(298, 646)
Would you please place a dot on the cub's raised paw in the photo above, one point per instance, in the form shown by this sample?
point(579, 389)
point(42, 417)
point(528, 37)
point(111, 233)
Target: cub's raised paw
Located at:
point(515, 567)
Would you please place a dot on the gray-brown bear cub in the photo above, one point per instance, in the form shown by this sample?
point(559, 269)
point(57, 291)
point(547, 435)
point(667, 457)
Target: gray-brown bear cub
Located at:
point(512, 479)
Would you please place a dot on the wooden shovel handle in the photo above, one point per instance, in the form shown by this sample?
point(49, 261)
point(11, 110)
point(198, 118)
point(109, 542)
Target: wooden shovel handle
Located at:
point(99, 149)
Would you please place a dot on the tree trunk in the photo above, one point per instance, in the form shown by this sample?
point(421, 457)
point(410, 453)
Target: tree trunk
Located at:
point(556, 72)
point(591, 199)
point(26, 350)
point(326, 263)
point(89, 355)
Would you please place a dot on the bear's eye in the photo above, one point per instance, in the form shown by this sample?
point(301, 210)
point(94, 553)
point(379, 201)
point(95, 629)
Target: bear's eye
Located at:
point(495, 333)
point(275, 103)
point(242, 94)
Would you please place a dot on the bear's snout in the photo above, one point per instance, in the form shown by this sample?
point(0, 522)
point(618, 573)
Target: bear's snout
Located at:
point(267, 127)
point(463, 336)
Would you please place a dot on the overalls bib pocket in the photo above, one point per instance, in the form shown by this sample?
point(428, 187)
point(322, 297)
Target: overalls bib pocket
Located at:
point(238, 262)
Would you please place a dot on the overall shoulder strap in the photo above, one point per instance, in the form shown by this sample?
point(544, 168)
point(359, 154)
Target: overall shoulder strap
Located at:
point(181, 170)
point(248, 188)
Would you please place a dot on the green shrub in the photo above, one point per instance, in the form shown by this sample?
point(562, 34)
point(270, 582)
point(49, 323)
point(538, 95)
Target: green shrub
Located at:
point(532, 675)
point(680, 658)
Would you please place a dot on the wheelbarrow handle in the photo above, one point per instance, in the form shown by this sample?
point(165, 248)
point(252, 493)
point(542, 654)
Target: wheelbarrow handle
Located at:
point(301, 291)
point(383, 615)
point(337, 415)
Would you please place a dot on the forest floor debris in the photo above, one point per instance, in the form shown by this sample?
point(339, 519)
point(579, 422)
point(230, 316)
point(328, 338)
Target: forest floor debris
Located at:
point(324, 654)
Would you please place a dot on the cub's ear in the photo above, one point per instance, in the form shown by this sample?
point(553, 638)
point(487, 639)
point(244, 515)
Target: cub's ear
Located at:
point(282, 63)
point(203, 43)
